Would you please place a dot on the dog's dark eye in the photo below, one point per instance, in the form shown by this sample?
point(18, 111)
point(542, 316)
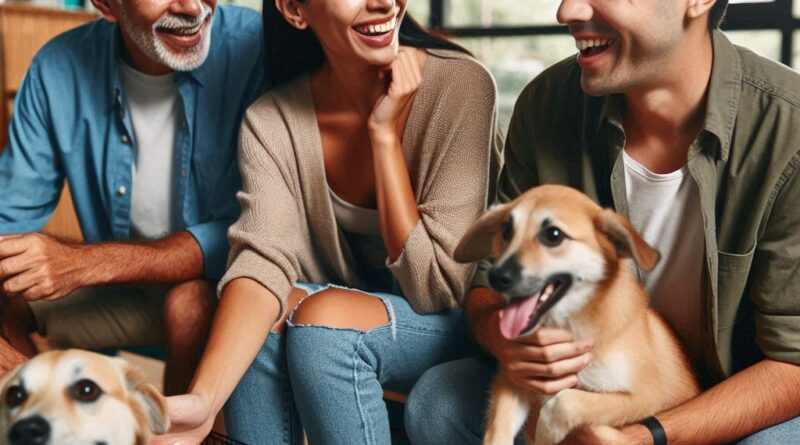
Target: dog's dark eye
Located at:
point(508, 228)
point(16, 396)
point(85, 391)
point(551, 236)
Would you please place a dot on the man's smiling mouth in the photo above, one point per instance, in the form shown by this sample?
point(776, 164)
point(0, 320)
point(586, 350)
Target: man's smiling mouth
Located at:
point(591, 47)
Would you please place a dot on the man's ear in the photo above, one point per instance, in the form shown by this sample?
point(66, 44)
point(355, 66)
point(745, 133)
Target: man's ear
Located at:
point(150, 406)
point(290, 11)
point(105, 9)
point(625, 238)
point(476, 244)
point(697, 8)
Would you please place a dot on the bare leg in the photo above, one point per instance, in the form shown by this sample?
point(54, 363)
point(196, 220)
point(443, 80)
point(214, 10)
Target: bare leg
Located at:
point(188, 312)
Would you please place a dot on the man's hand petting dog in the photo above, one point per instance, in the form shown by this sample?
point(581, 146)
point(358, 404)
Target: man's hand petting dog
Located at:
point(38, 267)
point(545, 362)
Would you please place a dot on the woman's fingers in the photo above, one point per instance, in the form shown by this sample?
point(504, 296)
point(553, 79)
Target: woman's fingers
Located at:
point(546, 336)
point(548, 387)
point(556, 369)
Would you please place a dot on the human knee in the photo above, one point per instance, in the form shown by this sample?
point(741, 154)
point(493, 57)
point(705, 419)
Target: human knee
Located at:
point(190, 303)
point(342, 308)
point(431, 413)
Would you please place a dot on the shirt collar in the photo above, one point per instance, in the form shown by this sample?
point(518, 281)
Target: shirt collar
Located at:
point(722, 103)
point(724, 90)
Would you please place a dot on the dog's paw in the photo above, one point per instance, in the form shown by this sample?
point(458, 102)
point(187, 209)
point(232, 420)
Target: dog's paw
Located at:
point(556, 419)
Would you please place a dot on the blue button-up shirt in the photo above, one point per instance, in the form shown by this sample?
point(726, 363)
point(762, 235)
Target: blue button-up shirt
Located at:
point(70, 121)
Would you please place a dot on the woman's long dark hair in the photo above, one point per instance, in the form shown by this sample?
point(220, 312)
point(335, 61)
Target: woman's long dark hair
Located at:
point(289, 52)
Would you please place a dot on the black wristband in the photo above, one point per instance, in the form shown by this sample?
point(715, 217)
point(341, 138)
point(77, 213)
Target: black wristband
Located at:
point(659, 435)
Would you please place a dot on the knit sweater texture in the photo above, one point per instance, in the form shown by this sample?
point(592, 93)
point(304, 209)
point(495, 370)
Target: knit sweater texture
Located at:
point(287, 231)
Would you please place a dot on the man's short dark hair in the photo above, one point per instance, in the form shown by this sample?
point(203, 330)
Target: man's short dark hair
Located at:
point(717, 14)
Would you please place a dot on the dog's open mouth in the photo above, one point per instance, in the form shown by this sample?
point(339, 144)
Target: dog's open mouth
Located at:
point(523, 314)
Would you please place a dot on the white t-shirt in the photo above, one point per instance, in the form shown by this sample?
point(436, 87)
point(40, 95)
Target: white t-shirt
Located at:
point(665, 209)
point(153, 104)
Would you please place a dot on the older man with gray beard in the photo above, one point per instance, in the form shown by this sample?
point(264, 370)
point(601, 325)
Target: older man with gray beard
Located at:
point(140, 112)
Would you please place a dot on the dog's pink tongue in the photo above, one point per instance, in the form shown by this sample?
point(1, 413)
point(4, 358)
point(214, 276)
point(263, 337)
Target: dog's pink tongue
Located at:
point(515, 317)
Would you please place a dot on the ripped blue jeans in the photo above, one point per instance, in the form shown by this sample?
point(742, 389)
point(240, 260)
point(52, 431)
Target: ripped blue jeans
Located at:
point(331, 380)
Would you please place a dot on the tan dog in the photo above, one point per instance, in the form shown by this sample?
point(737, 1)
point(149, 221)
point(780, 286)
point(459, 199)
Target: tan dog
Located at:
point(563, 261)
point(78, 397)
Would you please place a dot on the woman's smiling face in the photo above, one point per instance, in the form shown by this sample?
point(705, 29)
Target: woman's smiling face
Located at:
point(356, 30)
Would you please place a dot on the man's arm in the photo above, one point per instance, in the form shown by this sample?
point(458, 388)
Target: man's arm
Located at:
point(38, 267)
point(758, 397)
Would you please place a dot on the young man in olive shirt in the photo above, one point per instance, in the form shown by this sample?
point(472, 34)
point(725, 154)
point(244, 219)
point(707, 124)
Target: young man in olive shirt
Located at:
point(658, 88)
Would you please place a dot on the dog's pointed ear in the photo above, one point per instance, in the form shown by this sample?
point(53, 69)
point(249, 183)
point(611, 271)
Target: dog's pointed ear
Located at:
point(625, 238)
point(151, 403)
point(476, 244)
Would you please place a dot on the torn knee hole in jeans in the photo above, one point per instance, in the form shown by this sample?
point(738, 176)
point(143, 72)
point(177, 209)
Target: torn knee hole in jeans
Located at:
point(391, 323)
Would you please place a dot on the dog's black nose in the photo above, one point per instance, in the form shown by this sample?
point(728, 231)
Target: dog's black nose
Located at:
point(503, 276)
point(30, 431)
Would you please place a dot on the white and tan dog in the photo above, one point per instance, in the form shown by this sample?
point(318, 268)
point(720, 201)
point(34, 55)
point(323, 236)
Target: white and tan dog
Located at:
point(563, 261)
point(78, 397)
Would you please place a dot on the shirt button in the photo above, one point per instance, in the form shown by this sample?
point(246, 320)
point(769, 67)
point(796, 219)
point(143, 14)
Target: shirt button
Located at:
point(122, 190)
point(125, 139)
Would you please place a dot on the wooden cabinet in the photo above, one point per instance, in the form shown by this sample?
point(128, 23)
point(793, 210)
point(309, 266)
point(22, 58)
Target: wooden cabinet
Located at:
point(24, 29)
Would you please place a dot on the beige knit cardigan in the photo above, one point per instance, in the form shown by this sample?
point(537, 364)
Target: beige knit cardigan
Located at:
point(287, 231)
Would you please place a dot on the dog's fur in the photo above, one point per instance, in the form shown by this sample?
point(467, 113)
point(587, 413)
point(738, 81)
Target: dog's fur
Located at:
point(126, 410)
point(638, 367)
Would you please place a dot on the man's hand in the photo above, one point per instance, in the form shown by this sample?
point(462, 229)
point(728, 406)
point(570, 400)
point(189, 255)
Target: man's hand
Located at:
point(606, 435)
point(37, 267)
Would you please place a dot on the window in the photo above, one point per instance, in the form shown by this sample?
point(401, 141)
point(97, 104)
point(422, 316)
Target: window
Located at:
point(517, 39)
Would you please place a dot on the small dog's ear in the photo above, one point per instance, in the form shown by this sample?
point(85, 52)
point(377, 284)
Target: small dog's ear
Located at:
point(5, 378)
point(151, 403)
point(476, 244)
point(627, 241)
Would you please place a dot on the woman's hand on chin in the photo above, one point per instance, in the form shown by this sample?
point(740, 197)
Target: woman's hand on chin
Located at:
point(191, 421)
point(406, 76)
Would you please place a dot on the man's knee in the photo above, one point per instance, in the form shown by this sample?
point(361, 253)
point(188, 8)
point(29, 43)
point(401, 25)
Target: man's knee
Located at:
point(448, 402)
point(342, 308)
point(190, 303)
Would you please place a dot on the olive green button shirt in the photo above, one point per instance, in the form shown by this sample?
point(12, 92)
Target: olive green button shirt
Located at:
point(745, 162)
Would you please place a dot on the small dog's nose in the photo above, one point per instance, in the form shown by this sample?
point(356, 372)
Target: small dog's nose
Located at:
point(503, 276)
point(30, 431)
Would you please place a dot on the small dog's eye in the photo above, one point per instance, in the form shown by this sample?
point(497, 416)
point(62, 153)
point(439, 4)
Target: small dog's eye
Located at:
point(551, 236)
point(508, 228)
point(16, 396)
point(85, 391)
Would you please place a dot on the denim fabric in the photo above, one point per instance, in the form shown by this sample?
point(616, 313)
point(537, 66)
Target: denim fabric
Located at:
point(448, 406)
point(333, 378)
point(71, 122)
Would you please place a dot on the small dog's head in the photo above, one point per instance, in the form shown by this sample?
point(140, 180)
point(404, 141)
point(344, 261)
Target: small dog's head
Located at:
point(553, 247)
point(78, 397)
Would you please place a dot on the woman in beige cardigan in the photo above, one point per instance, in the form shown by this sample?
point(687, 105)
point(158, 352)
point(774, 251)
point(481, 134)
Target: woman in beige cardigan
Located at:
point(362, 168)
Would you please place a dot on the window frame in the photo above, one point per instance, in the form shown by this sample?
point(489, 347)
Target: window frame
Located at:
point(777, 15)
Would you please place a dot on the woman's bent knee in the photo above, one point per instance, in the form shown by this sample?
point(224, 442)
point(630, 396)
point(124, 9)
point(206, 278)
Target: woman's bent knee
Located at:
point(342, 308)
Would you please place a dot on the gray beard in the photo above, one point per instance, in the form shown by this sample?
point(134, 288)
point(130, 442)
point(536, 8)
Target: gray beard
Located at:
point(148, 42)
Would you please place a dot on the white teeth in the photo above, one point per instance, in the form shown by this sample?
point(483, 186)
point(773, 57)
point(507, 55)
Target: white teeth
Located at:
point(380, 28)
point(584, 44)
